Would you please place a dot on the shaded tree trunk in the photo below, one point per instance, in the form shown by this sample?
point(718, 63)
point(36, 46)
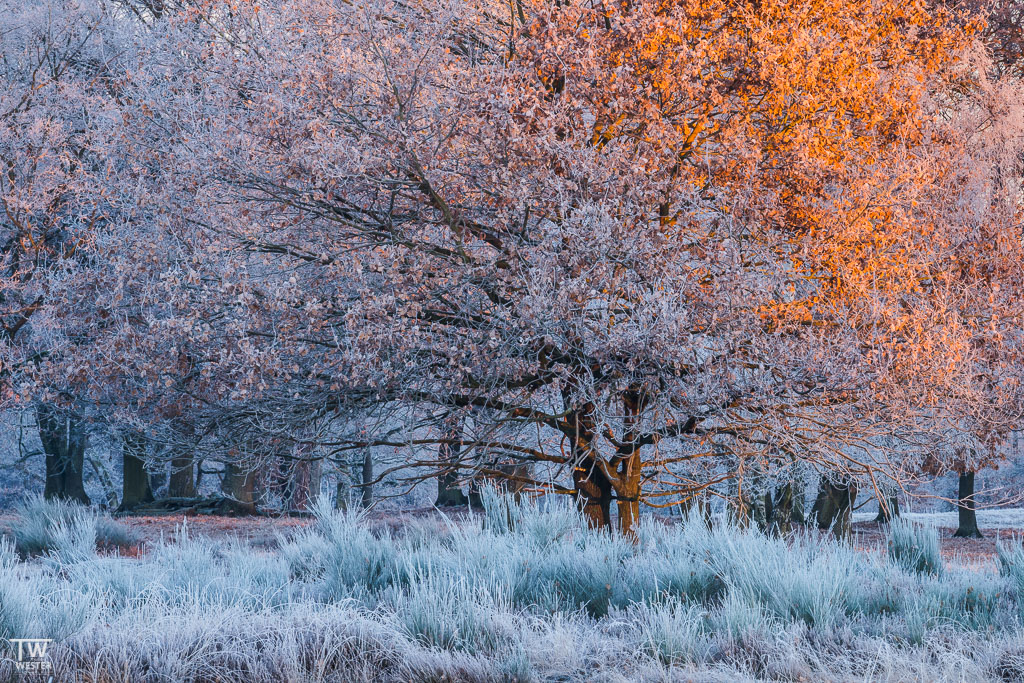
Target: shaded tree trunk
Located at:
point(303, 485)
point(888, 509)
point(64, 440)
point(593, 490)
point(834, 507)
point(697, 505)
point(367, 478)
point(135, 485)
point(182, 482)
point(966, 508)
point(781, 510)
point(343, 489)
point(797, 488)
point(476, 501)
point(630, 470)
point(239, 484)
point(448, 490)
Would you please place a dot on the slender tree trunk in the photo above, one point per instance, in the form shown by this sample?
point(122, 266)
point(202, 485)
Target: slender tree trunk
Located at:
point(64, 440)
point(367, 487)
point(135, 488)
point(448, 490)
point(967, 508)
point(343, 489)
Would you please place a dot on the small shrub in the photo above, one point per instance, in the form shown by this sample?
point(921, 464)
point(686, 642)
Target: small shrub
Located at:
point(915, 547)
point(803, 580)
point(1011, 564)
point(964, 599)
point(671, 630)
point(738, 620)
point(41, 521)
point(17, 599)
point(442, 611)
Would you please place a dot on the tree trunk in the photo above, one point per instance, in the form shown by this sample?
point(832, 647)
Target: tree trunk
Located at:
point(304, 485)
point(780, 517)
point(182, 482)
point(847, 496)
point(64, 440)
point(628, 494)
point(593, 490)
point(448, 490)
point(367, 486)
point(593, 494)
point(797, 516)
point(136, 488)
point(343, 489)
point(888, 509)
point(630, 470)
point(824, 509)
point(967, 508)
point(239, 484)
point(834, 507)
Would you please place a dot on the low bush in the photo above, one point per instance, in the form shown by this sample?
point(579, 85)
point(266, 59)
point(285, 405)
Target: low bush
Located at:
point(44, 526)
point(915, 547)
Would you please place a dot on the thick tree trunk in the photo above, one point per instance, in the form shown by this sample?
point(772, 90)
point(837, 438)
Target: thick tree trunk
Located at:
point(824, 508)
point(136, 488)
point(448, 490)
point(967, 508)
point(239, 484)
point(303, 485)
point(834, 507)
point(593, 490)
point(798, 516)
point(476, 501)
point(628, 494)
point(64, 440)
point(780, 517)
point(182, 482)
point(630, 466)
point(593, 494)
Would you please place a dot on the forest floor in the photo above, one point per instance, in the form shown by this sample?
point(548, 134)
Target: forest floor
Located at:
point(267, 532)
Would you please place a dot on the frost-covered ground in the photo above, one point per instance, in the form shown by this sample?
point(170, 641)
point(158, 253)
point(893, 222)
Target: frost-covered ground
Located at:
point(516, 594)
point(993, 519)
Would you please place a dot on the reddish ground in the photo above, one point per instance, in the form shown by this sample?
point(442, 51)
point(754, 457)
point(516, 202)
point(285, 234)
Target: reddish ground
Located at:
point(965, 552)
point(263, 532)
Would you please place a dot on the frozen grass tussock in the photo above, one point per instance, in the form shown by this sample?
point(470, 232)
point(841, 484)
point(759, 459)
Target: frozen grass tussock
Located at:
point(523, 592)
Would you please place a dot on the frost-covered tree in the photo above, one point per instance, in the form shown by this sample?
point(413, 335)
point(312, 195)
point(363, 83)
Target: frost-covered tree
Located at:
point(645, 247)
point(633, 238)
